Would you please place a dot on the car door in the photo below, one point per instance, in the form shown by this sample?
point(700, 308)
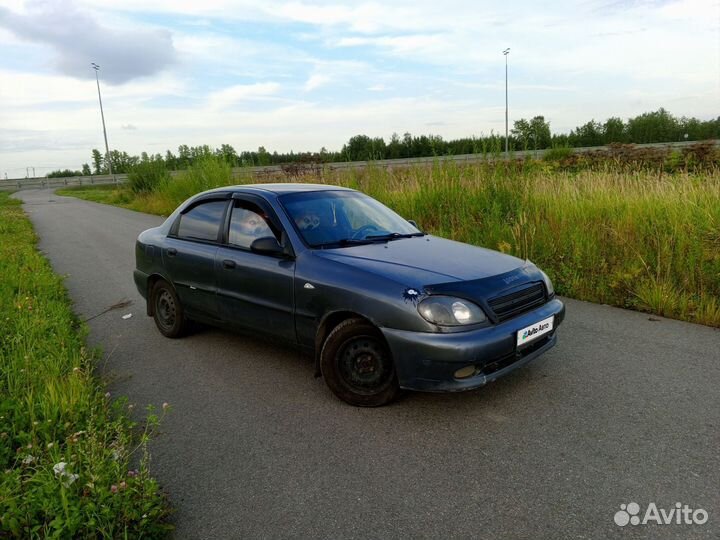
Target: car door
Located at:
point(255, 291)
point(189, 255)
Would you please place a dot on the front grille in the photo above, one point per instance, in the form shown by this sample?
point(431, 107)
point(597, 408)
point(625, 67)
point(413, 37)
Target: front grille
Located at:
point(517, 302)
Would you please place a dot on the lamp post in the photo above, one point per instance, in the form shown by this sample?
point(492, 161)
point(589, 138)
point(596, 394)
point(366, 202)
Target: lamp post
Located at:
point(505, 53)
point(102, 115)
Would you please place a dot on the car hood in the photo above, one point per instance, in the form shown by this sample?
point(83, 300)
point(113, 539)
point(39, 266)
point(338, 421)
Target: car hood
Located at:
point(420, 261)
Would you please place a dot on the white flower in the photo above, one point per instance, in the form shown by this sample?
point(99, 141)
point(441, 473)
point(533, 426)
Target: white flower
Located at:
point(69, 479)
point(28, 459)
point(59, 468)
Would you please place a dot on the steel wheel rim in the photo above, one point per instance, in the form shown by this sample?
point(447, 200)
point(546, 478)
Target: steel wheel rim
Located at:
point(365, 366)
point(165, 309)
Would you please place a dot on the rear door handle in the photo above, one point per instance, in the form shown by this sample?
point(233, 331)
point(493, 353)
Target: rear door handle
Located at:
point(227, 263)
point(171, 252)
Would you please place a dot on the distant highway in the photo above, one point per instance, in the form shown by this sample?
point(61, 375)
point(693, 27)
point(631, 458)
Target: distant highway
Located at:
point(245, 172)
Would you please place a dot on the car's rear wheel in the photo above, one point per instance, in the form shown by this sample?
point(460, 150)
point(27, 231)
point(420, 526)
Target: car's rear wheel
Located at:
point(168, 311)
point(357, 365)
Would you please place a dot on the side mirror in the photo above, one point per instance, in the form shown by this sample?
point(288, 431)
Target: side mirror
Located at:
point(267, 245)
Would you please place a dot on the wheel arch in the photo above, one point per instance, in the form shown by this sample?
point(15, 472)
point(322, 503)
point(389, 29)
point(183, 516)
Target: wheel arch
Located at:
point(151, 281)
point(328, 323)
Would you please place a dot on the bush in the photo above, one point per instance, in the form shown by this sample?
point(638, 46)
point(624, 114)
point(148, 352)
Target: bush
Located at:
point(557, 153)
point(146, 176)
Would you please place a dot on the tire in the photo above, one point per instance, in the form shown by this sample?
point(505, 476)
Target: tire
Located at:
point(357, 365)
point(168, 311)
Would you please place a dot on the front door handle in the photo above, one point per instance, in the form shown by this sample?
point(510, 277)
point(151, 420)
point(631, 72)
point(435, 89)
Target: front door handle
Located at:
point(171, 252)
point(227, 263)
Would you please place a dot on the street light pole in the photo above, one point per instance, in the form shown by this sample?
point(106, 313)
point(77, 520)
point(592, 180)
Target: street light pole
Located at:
point(506, 52)
point(102, 115)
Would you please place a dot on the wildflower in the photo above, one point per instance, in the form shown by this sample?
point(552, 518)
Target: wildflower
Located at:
point(28, 459)
point(133, 473)
point(131, 407)
point(122, 485)
point(50, 445)
point(69, 479)
point(76, 369)
point(165, 406)
point(35, 423)
point(113, 489)
point(59, 468)
point(107, 395)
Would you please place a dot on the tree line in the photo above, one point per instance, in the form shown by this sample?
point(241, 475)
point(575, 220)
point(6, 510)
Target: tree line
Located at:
point(527, 134)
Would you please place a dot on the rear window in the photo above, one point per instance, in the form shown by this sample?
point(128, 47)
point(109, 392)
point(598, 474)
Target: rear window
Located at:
point(202, 222)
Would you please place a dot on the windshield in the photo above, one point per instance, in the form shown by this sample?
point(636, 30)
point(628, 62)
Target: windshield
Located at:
point(337, 218)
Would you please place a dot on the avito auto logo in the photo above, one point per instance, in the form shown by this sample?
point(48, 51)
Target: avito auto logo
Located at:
point(533, 331)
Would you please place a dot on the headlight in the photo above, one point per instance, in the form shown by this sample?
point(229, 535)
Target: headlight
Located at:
point(450, 311)
point(548, 284)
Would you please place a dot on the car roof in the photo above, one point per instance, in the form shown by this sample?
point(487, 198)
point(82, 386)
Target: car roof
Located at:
point(281, 188)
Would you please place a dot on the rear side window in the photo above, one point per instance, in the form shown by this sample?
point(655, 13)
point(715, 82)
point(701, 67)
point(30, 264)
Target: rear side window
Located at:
point(202, 222)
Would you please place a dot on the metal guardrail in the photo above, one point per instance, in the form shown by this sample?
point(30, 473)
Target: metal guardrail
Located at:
point(240, 172)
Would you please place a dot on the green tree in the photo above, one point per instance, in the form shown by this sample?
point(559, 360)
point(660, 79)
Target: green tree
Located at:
point(613, 130)
point(86, 170)
point(534, 134)
point(184, 158)
point(657, 126)
point(590, 134)
point(263, 156)
point(65, 173)
point(97, 159)
point(358, 148)
point(170, 160)
point(227, 153)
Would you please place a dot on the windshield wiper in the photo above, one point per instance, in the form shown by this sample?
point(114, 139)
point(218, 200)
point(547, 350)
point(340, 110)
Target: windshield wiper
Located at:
point(393, 236)
point(344, 242)
point(373, 239)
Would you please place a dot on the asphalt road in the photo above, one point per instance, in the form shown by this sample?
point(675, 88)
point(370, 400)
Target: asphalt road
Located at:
point(623, 409)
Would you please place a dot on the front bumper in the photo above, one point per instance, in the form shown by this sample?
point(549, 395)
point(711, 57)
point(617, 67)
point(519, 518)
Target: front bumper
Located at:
point(427, 361)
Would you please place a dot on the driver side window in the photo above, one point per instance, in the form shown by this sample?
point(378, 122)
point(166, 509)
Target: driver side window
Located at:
point(248, 222)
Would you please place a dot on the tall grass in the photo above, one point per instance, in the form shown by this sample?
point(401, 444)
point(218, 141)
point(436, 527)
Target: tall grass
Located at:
point(631, 236)
point(65, 449)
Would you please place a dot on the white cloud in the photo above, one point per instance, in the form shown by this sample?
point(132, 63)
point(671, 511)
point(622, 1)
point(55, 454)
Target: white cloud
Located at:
point(77, 38)
point(316, 81)
point(231, 96)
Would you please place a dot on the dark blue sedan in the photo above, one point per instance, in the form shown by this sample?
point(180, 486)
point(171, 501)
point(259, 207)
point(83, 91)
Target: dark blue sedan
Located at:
point(382, 304)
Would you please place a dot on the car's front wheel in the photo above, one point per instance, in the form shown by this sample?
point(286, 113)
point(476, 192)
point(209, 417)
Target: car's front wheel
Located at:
point(167, 310)
point(357, 365)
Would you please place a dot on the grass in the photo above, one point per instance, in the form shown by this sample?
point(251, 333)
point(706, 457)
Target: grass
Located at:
point(625, 233)
point(72, 463)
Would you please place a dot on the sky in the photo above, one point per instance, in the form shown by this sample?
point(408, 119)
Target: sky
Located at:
point(305, 74)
